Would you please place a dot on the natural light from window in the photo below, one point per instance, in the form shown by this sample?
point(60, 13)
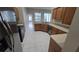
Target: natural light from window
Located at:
point(47, 17)
point(37, 16)
point(30, 18)
point(8, 16)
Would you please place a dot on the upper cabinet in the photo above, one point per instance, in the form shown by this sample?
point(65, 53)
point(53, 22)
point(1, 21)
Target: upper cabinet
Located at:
point(59, 13)
point(69, 13)
point(64, 14)
point(54, 13)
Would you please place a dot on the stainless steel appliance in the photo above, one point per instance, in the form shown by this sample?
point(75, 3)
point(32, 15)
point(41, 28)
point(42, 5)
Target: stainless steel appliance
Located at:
point(6, 36)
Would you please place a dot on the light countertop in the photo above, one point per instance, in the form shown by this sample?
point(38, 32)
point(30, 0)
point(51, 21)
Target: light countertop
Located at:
point(59, 27)
point(56, 26)
point(59, 39)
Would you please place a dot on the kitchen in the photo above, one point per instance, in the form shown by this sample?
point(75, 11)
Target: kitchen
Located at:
point(58, 28)
point(41, 29)
point(54, 24)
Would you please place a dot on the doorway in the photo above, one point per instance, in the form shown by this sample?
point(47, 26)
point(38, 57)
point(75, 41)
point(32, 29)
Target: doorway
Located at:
point(31, 26)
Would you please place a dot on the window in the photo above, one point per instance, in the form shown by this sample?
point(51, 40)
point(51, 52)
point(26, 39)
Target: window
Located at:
point(37, 16)
point(8, 16)
point(47, 17)
point(30, 17)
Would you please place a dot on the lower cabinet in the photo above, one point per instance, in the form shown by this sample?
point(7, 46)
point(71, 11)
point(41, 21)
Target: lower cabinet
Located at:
point(53, 46)
point(56, 31)
point(47, 28)
point(41, 27)
point(37, 27)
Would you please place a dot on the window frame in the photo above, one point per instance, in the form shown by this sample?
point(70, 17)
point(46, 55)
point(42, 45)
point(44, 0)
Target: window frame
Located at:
point(37, 15)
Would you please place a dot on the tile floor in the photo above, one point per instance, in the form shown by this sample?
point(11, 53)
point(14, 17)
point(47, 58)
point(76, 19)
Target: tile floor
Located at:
point(30, 43)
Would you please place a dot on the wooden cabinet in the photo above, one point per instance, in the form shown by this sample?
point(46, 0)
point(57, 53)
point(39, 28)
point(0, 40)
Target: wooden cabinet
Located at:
point(54, 14)
point(64, 14)
point(38, 27)
point(59, 13)
point(53, 46)
point(56, 31)
point(49, 29)
point(45, 27)
point(41, 27)
point(69, 13)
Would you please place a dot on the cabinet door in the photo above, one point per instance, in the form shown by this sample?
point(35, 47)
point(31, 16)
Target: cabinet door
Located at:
point(53, 46)
point(45, 27)
point(57, 48)
point(56, 31)
point(69, 13)
point(37, 27)
point(60, 32)
point(54, 13)
point(59, 13)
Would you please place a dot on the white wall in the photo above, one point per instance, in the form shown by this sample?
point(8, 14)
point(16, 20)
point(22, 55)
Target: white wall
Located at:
point(72, 41)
